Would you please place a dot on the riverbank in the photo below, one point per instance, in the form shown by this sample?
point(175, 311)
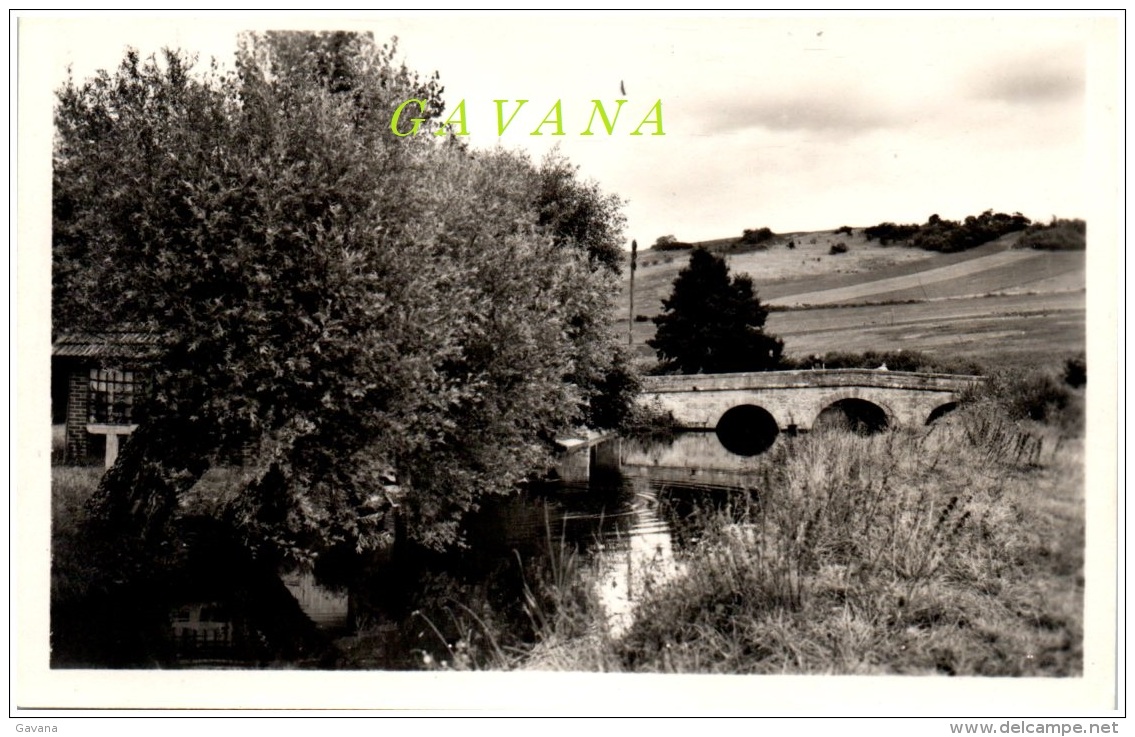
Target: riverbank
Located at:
point(954, 550)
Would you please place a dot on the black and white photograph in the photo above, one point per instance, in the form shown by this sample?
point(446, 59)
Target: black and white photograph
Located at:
point(638, 363)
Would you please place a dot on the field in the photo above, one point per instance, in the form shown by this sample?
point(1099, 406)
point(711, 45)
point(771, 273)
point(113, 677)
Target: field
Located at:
point(1008, 306)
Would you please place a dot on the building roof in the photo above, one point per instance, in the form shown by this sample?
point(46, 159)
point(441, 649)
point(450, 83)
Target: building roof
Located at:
point(125, 344)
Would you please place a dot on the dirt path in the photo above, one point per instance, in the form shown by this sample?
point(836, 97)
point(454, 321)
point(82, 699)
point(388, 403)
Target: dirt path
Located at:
point(910, 281)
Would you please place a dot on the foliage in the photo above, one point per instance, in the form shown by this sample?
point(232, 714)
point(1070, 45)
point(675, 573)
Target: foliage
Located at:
point(670, 243)
point(1035, 395)
point(1076, 371)
point(1058, 235)
point(614, 404)
point(838, 248)
point(712, 323)
point(948, 236)
point(894, 360)
point(579, 214)
point(756, 237)
point(354, 304)
point(650, 423)
point(844, 229)
point(889, 232)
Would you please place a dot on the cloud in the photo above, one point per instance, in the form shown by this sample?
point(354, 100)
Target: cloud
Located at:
point(1051, 76)
point(835, 113)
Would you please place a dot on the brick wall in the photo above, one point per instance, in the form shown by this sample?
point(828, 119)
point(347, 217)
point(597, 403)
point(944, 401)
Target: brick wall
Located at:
point(78, 409)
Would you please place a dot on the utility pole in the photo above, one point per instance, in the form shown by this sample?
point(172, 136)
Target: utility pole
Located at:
point(630, 316)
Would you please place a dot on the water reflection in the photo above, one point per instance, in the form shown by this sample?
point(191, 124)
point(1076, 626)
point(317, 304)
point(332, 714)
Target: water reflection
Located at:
point(326, 607)
point(627, 527)
point(630, 522)
point(638, 559)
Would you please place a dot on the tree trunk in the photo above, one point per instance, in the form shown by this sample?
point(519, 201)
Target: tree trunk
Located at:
point(129, 514)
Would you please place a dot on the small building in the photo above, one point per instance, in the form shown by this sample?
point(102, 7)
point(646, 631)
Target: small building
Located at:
point(98, 381)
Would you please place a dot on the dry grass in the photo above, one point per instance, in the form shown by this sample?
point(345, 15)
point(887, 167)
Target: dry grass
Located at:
point(71, 486)
point(955, 551)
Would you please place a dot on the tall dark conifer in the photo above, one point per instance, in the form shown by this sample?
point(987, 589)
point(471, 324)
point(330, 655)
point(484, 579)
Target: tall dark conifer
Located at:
point(713, 323)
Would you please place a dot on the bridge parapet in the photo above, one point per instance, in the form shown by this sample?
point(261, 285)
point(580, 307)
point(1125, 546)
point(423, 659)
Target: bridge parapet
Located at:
point(811, 378)
point(795, 399)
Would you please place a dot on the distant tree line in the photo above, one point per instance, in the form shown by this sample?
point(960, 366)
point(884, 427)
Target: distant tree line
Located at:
point(1058, 235)
point(670, 243)
point(949, 236)
point(899, 360)
point(756, 237)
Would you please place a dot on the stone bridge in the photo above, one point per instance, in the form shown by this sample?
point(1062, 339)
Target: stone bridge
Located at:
point(748, 410)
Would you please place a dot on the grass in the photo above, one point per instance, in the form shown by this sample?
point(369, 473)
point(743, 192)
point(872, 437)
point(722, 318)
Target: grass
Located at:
point(71, 486)
point(1017, 330)
point(955, 549)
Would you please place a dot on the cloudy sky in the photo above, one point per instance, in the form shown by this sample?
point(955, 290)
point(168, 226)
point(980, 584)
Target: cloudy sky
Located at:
point(794, 122)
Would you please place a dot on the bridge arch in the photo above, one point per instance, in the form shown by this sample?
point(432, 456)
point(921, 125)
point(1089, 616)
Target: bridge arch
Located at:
point(864, 416)
point(940, 411)
point(747, 429)
point(796, 398)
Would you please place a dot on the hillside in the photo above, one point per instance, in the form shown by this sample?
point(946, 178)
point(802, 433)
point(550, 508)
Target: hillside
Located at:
point(996, 302)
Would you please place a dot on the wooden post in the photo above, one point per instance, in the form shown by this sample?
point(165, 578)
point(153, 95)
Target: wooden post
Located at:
point(112, 433)
point(111, 448)
point(630, 316)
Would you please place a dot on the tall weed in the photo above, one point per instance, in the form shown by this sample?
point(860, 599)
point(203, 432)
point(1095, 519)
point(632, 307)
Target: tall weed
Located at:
point(862, 554)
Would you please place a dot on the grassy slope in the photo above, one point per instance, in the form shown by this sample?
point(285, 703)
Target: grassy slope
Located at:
point(954, 551)
point(1009, 307)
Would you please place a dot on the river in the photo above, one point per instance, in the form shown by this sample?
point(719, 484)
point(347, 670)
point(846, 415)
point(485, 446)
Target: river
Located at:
point(623, 514)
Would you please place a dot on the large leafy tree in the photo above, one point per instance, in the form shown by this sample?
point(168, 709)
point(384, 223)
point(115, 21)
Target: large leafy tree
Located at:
point(712, 323)
point(351, 304)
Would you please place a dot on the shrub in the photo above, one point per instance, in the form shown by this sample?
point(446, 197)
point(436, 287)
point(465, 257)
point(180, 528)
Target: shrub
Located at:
point(650, 422)
point(844, 229)
point(1076, 371)
point(838, 248)
point(893, 360)
point(887, 232)
point(670, 245)
point(1037, 395)
point(1058, 235)
point(756, 237)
